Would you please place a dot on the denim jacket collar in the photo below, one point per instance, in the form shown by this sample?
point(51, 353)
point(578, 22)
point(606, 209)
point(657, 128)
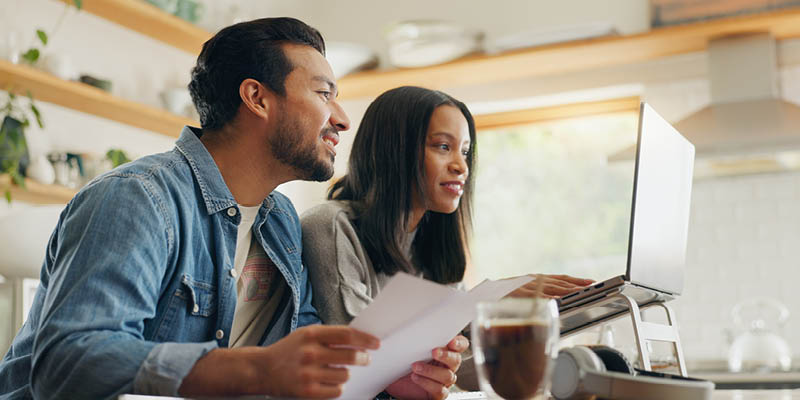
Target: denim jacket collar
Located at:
point(215, 192)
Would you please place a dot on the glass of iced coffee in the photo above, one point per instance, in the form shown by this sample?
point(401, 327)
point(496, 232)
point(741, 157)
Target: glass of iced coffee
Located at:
point(515, 345)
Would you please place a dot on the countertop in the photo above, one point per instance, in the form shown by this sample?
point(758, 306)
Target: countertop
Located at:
point(756, 394)
point(752, 381)
point(718, 395)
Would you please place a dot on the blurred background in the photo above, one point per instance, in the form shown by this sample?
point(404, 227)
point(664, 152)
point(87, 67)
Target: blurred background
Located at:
point(555, 88)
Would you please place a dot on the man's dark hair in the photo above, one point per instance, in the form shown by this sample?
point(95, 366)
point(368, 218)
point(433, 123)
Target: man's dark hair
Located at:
point(386, 163)
point(245, 50)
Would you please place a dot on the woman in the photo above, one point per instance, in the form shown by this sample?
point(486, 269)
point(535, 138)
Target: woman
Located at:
point(403, 206)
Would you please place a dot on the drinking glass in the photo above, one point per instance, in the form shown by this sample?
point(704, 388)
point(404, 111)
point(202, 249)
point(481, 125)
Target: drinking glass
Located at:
point(515, 345)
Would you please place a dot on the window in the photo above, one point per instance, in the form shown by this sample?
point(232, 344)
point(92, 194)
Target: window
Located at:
point(548, 201)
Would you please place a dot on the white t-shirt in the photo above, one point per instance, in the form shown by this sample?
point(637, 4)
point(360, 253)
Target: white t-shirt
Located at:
point(259, 285)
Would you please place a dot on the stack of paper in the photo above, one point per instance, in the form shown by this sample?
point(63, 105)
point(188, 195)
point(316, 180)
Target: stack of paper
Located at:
point(412, 316)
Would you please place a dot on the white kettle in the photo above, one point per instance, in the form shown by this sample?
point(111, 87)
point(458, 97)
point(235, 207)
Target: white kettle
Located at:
point(759, 348)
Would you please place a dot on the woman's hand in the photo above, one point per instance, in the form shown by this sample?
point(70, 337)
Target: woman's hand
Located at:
point(554, 286)
point(432, 379)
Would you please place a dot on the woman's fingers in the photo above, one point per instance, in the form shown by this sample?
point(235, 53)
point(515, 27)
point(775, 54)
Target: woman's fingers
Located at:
point(572, 279)
point(436, 390)
point(436, 373)
point(449, 359)
point(458, 344)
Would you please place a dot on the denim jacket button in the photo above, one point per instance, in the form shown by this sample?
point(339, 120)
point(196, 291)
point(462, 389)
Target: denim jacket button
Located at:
point(220, 334)
point(232, 211)
point(233, 272)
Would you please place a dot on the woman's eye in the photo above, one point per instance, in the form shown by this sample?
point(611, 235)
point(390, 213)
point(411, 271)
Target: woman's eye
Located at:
point(465, 153)
point(444, 146)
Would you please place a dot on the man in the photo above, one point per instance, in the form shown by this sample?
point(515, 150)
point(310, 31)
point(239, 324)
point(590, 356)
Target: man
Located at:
point(163, 276)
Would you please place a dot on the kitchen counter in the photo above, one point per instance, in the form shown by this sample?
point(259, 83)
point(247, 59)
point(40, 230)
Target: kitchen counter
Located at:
point(752, 381)
point(756, 394)
point(718, 395)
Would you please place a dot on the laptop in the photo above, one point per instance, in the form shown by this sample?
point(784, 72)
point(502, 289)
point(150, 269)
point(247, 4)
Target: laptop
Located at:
point(662, 185)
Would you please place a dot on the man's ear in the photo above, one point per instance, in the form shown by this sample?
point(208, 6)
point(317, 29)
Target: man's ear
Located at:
point(257, 98)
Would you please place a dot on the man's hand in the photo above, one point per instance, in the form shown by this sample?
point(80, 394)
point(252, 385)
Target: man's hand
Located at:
point(554, 286)
point(308, 363)
point(432, 379)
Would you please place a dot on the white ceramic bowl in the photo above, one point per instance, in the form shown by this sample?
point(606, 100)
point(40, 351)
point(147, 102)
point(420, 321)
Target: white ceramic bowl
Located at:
point(346, 58)
point(425, 43)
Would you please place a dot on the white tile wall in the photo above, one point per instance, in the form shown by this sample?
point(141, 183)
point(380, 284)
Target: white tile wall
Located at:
point(744, 240)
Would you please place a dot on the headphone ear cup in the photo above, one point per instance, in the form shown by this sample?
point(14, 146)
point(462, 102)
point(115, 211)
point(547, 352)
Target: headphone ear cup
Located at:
point(586, 358)
point(580, 374)
point(613, 359)
point(571, 365)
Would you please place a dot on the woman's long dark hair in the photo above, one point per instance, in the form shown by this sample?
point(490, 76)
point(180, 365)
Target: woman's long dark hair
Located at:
point(385, 163)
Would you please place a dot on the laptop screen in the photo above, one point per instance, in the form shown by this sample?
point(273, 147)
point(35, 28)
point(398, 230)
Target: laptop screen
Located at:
point(660, 208)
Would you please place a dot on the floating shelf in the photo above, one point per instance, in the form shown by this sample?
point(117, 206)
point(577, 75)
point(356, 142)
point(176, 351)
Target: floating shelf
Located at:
point(542, 114)
point(572, 56)
point(483, 69)
point(81, 97)
point(36, 192)
point(149, 20)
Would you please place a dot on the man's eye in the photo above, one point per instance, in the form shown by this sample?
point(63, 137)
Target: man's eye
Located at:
point(465, 153)
point(325, 94)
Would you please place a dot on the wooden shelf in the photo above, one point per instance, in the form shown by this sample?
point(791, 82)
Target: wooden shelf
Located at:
point(36, 192)
point(81, 97)
point(542, 114)
point(149, 20)
point(572, 56)
point(483, 69)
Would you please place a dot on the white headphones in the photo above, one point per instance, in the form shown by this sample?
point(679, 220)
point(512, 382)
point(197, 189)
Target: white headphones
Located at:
point(582, 372)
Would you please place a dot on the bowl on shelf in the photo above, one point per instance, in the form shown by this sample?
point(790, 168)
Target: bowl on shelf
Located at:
point(429, 42)
point(346, 58)
point(177, 101)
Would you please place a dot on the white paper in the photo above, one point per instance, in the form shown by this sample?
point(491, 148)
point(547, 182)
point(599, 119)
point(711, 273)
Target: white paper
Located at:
point(412, 316)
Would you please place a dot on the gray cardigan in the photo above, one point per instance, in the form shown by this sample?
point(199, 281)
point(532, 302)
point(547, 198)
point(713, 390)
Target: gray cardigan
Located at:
point(341, 273)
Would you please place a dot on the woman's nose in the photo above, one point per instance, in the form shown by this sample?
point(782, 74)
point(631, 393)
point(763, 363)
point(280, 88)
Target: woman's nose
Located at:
point(459, 165)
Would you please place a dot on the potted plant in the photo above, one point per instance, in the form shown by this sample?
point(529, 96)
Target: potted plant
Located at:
point(13, 146)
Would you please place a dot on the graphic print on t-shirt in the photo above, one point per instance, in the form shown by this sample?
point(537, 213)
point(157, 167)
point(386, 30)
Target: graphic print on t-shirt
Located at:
point(258, 275)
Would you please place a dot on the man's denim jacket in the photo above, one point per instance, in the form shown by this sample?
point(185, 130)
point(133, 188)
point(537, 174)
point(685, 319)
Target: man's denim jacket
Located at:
point(136, 284)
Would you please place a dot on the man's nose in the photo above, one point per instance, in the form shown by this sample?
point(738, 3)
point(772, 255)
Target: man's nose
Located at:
point(339, 118)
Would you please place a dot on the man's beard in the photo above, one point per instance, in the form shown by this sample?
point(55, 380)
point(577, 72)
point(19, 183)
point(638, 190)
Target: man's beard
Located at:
point(288, 147)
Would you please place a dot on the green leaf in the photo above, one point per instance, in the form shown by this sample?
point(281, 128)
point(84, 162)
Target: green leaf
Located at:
point(8, 195)
point(16, 177)
point(31, 56)
point(42, 36)
point(17, 140)
point(38, 115)
point(78, 4)
point(117, 157)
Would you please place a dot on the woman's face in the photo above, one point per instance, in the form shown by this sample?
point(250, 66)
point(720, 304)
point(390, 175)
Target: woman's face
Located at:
point(447, 145)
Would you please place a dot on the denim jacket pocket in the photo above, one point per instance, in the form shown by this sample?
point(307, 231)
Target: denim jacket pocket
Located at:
point(200, 296)
point(187, 312)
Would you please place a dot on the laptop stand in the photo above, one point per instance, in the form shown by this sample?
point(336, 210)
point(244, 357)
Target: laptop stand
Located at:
point(642, 331)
